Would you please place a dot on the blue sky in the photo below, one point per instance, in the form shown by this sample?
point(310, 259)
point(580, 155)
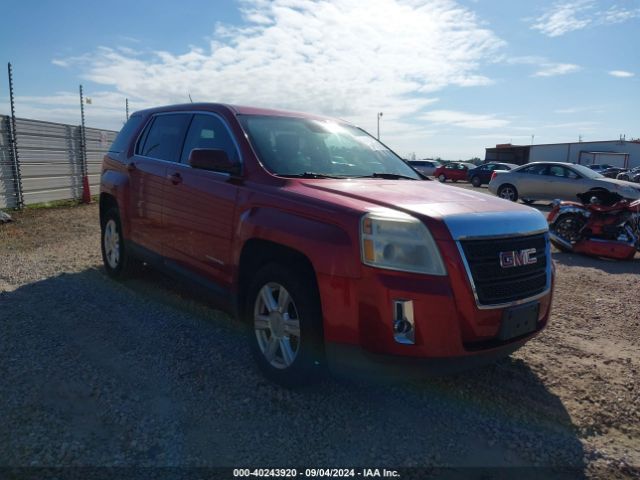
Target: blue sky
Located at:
point(452, 77)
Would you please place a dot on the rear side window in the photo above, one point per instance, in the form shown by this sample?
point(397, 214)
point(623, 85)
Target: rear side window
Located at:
point(165, 136)
point(535, 170)
point(208, 131)
point(122, 139)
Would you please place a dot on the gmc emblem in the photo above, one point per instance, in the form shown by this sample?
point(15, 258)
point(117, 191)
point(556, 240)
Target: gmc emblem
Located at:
point(518, 258)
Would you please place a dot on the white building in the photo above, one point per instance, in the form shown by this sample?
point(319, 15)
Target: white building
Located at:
point(623, 153)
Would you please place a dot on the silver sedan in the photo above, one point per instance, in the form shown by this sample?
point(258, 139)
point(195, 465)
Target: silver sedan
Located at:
point(551, 180)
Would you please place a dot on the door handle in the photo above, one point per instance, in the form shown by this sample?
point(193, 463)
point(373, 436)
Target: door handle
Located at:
point(175, 178)
point(131, 166)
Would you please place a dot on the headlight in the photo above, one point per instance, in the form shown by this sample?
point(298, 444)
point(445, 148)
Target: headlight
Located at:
point(397, 241)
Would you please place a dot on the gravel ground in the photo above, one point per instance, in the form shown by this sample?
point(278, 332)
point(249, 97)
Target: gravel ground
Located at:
point(141, 373)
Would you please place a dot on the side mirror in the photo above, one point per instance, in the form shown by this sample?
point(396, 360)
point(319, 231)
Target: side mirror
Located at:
point(213, 159)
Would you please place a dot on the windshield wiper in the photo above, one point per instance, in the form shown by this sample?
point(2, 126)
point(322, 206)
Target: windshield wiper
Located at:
point(309, 175)
point(388, 176)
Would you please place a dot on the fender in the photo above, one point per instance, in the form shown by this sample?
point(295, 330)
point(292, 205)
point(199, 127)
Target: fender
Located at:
point(115, 182)
point(328, 247)
point(566, 207)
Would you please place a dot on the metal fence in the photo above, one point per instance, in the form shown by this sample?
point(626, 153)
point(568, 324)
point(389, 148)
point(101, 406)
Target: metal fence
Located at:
point(47, 163)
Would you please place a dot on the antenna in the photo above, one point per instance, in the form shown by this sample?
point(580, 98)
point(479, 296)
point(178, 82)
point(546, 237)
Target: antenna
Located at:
point(190, 99)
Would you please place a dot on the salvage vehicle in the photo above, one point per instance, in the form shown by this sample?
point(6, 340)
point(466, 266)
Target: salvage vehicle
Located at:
point(454, 171)
point(327, 244)
point(602, 224)
point(632, 175)
point(425, 167)
point(555, 180)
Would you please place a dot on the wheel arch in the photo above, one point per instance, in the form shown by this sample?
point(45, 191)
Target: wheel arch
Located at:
point(257, 252)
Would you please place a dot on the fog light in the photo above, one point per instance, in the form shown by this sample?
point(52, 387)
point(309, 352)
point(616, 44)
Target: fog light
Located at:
point(403, 323)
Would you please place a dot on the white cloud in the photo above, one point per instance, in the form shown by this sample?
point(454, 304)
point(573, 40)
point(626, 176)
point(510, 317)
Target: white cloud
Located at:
point(344, 58)
point(565, 17)
point(554, 69)
point(621, 73)
point(464, 119)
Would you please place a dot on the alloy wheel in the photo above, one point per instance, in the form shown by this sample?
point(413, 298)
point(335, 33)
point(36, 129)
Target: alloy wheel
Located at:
point(277, 325)
point(111, 240)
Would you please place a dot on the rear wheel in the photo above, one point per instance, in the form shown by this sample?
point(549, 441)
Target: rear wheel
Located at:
point(476, 182)
point(442, 178)
point(285, 325)
point(117, 261)
point(508, 192)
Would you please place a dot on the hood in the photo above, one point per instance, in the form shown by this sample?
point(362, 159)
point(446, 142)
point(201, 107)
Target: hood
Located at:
point(461, 213)
point(424, 198)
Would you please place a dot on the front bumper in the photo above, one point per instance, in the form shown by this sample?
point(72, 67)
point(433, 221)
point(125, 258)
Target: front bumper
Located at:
point(450, 327)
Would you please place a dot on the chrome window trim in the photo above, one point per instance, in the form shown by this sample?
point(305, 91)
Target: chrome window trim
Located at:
point(548, 271)
point(189, 112)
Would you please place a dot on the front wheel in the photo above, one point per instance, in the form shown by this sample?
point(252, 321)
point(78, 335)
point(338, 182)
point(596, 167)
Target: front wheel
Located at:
point(508, 192)
point(442, 178)
point(476, 182)
point(285, 325)
point(567, 227)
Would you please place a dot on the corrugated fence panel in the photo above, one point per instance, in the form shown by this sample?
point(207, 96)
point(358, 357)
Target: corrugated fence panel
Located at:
point(51, 160)
point(7, 187)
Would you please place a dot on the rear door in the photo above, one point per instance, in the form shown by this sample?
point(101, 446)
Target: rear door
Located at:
point(199, 204)
point(159, 143)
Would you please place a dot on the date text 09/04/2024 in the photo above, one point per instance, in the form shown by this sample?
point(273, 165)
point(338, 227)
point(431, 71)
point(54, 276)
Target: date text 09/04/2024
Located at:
point(316, 472)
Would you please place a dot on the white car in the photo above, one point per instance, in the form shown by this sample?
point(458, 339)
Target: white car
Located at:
point(551, 180)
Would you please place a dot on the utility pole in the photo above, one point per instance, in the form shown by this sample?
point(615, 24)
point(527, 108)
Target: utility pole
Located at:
point(17, 175)
point(126, 107)
point(86, 192)
point(379, 116)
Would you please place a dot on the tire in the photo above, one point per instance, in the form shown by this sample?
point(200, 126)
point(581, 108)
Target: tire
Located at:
point(286, 336)
point(442, 178)
point(527, 201)
point(567, 226)
point(117, 261)
point(508, 192)
point(476, 182)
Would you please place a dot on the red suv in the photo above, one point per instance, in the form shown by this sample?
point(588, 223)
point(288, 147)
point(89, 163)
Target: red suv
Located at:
point(332, 249)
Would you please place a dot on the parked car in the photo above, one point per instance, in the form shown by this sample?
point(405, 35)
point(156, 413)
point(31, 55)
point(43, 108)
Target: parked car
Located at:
point(482, 174)
point(613, 172)
point(599, 167)
point(425, 167)
point(555, 180)
point(322, 240)
point(632, 175)
point(454, 171)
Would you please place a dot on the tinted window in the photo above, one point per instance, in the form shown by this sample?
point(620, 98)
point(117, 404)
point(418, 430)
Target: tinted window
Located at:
point(165, 136)
point(122, 140)
point(207, 131)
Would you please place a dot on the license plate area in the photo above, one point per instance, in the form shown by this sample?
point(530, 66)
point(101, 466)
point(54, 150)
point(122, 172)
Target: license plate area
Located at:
point(518, 321)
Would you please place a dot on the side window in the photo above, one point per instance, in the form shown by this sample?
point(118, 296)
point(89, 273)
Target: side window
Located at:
point(535, 170)
point(165, 136)
point(556, 171)
point(121, 142)
point(208, 131)
point(571, 174)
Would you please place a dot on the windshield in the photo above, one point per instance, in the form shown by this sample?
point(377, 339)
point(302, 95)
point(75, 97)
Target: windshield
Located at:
point(321, 148)
point(586, 172)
